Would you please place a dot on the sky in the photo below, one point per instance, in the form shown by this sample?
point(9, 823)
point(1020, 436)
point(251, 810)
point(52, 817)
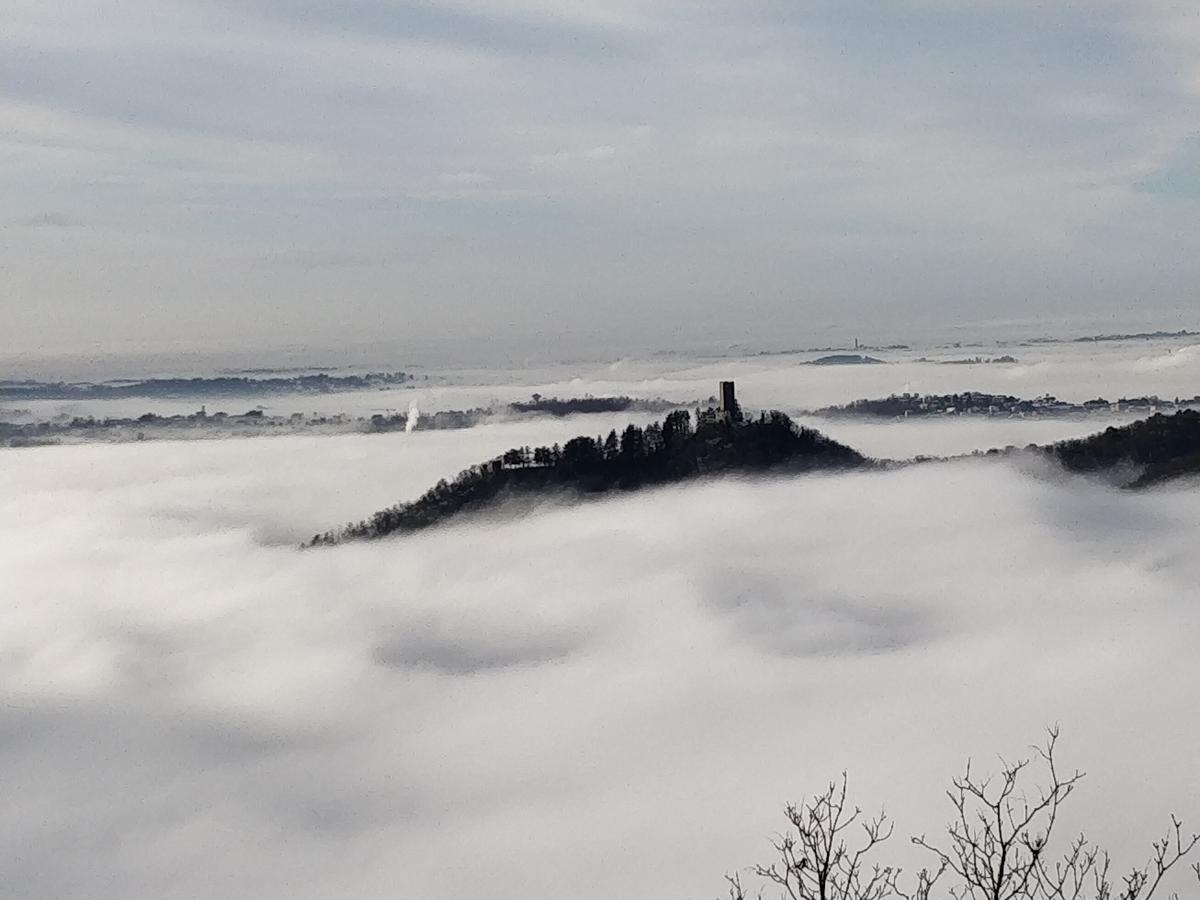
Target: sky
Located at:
point(613, 699)
point(209, 173)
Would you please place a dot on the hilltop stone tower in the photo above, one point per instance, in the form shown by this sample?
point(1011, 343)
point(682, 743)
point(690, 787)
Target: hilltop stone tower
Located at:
point(727, 400)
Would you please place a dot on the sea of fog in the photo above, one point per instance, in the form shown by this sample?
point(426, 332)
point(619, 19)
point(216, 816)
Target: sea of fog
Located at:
point(608, 700)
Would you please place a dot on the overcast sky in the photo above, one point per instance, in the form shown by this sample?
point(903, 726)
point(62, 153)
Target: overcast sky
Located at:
point(198, 172)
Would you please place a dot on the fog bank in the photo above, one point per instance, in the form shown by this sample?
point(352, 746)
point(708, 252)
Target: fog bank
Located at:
point(614, 699)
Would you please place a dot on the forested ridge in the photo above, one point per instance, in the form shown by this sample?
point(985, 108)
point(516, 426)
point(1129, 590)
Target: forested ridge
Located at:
point(1149, 451)
point(1155, 449)
point(662, 453)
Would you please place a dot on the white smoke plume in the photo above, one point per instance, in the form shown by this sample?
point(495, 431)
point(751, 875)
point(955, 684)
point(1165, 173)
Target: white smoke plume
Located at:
point(414, 416)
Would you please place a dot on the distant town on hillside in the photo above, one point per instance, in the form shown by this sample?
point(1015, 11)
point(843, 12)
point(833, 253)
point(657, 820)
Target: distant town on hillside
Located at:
point(978, 403)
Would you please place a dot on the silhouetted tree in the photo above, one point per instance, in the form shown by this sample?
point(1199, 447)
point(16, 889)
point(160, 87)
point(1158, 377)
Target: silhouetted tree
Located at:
point(632, 443)
point(611, 445)
point(581, 453)
point(676, 428)
point(653, 438)
point(999, 846)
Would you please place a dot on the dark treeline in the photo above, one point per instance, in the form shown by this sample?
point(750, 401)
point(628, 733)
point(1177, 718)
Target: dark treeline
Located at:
point(1138, 336)
point(575, 405)
point(662, 453)
point(225, 386)
point(1156, 449)
point(1126, 336)
point(847, 359)
point(1005, 360)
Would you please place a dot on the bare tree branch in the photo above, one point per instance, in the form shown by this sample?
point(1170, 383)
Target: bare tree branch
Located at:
point(997, 846)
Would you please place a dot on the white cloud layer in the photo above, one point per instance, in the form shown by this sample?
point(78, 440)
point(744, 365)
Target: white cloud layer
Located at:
point(608, 700)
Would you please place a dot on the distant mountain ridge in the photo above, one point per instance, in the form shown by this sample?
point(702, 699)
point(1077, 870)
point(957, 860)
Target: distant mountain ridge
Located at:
point(222, 386)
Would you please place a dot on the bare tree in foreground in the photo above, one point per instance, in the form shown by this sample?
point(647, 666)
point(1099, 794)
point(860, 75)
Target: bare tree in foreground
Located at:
point(814, 861)
point(997, 847)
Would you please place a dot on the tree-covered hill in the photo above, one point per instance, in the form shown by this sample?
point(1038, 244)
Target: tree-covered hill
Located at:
point(1151, 450)
point(662, 453)
point(1145, 452)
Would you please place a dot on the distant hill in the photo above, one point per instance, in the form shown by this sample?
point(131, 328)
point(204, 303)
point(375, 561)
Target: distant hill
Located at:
point(1149, 451)
point(666, 452)
point(1139, 336)
point(847, 359)
point(572, 406)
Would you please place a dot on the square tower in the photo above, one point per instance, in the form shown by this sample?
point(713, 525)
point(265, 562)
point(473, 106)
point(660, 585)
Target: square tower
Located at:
point(727, 400)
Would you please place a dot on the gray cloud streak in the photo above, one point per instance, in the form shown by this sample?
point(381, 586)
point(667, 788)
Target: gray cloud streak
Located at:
point(639, 169)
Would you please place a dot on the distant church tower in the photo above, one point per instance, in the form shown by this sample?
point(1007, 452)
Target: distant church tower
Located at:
point(728, 405)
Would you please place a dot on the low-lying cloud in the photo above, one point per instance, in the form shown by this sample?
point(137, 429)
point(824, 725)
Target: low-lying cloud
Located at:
point(613, 699)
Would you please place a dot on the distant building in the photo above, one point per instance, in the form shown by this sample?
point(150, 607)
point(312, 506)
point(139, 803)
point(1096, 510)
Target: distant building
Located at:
point(727, 400)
